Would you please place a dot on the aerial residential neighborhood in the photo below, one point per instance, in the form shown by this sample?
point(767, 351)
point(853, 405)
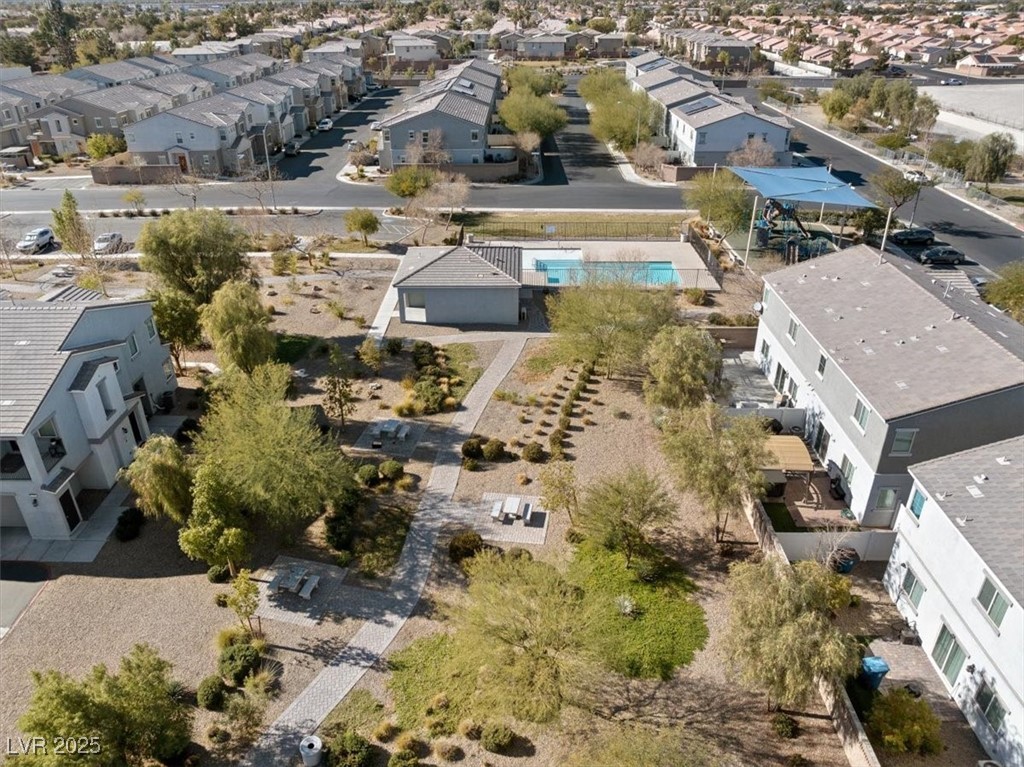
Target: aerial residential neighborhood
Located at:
point(511, 385)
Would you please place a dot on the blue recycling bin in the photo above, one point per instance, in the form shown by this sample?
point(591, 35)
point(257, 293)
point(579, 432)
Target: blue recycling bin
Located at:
point(872, 671)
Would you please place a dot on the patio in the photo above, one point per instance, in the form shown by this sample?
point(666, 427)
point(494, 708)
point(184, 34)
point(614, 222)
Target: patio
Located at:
point(393, 436)
point(506, 529)
point(812, 506)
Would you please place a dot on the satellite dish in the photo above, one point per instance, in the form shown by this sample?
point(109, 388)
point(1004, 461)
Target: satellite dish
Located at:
point(758, 308)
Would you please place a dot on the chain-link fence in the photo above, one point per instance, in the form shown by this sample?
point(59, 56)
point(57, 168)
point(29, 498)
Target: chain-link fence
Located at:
point(576, 230)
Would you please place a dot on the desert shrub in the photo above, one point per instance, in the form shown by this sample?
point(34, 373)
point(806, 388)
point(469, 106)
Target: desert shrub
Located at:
point(407, 382)
point(129, 523)
point(385, 732)
point(221, 599)
point(392, 470)
point(423, 354)
point(696, 296)
point(210, 694)
point(784, 726)
point(430, 395)
point(470, 729)
point(523, 418)
point(408, 741)
point(403, 759)
point(622, 415)
point(367, 475)
point(533, 452)
point(567, 407)
point(237, 662)
point(893, 141)
point(393, 346)
point(494, 449)
point(470, 464)
point(472, 448)
point(905, 724)
point(448, 752)
point(262, 682)
point(280, 263)
point(555, 440)
point(436, 726)
point(518, 552)
point(496, 737)
point(406, 484)
point(717, 318)
point(574, 536)
point(465, 545)
point(218, 574)
point(343, 558)
point(232, 635)
point(523, 479)
point(350, 749)
point(746, 320)
point(564, 422)
point(340, 529)
point(439, 702)
point(406, 408)
point(217, 734)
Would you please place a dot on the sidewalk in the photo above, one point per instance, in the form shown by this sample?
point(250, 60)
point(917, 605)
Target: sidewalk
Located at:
point(279, 744)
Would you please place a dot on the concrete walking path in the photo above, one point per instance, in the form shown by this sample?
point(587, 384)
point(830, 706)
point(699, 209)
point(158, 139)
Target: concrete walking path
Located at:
point(279, 744)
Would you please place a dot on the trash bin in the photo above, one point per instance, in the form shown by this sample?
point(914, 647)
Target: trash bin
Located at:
point(311, 749)
point(844, 558)
point(872, 671)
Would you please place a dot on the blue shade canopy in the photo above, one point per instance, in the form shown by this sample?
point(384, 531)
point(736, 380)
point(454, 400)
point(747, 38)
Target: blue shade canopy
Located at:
point(815, 185)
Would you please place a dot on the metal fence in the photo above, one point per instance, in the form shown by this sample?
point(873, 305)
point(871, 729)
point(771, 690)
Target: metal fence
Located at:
point(704, 251)
point(576, 230)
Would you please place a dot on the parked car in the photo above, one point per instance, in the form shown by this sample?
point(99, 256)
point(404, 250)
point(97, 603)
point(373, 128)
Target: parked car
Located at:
point(918, 177)
point(373, 87)
point(951, 81)
point(326, 124)
point(35, 240)
point(913, 236)
point(291, 149)
point(110, 242)
point(375, 125)
point(942, 254)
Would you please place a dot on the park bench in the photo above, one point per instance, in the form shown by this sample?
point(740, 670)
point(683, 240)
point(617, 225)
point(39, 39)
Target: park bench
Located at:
point(312, 582)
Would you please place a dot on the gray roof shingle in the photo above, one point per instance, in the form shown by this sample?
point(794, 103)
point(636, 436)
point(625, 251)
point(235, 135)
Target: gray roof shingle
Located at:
point(450, 267)
point(993, 522)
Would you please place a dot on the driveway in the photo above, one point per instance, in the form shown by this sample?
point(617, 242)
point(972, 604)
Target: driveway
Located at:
point(574, 155)
point(19, 583)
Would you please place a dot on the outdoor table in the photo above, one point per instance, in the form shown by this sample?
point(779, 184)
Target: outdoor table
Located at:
point(389, 427)
point(293, 580)
point(512, 506)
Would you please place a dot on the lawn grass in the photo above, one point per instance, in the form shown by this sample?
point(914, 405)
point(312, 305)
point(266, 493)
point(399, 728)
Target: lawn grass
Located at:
point(382, 532)
point(781, 519)
point(359, 711)
point(293, 347)
point(461, 359)
point(542, 361)
point(571, 225)
point(665, 629)
point(421, 672)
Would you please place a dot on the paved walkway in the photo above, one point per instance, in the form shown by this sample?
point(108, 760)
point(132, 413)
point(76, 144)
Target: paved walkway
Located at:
point(279, 744)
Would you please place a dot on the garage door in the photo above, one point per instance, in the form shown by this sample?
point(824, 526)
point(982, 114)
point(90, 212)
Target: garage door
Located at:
point(10, 514)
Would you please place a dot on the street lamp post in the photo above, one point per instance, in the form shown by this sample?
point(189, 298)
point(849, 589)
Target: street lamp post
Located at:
point(917, 197)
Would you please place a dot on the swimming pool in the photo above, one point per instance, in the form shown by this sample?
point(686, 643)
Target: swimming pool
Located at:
point(570, 271)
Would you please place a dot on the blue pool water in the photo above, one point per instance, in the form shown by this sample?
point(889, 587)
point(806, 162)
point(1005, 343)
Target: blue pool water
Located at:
point(569, 271)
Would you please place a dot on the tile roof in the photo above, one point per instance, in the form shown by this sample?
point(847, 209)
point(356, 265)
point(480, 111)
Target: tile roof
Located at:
point(899, 343)
point(115, 70)
point(450, 267)
point(177, 83)
point(679, 91)
point(508, 258)
point(262, 91)
point(87, 371)
point(47, 86)
point(121, 97)
point(992, 515)
point(218, 110)
point(456, 105)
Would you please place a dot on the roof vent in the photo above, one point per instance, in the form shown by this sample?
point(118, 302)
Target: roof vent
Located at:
point(929, 327)
point(900, 342)
point(942, 496)
point(22, 343)
point(981, 478)
point(915, 338)
point(860, 340)
point(942, 349)
point(829, 310)
point(7, 402)
point(860, 308)
point(901, 384)
point(975, 492)
point(868, 350)
point(883, 332)
point(1003, 460)
point(836, 279)
point(962, 521)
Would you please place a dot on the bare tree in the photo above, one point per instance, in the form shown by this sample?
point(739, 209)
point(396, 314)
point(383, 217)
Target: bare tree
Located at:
point(440, 201)
point(648, 156)
point(755, 153)
point(259, 185)
point(429, 152)
point(526, 144)
point(187, 185)
point(7, 253)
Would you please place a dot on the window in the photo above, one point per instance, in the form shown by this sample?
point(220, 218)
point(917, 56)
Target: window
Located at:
point(990, 706)
point(886, 500)
point(822, 363)
point(192, 136)
point(903, 441)
point(750, 137)
point(948, 654)
point(168, 370)
point(860, 414)
point(993, 602)
point(48, 430)
point(791, 330)
point(386, 134)
point(133, 345)
point(412, 135)
point(917, 503)
point(766, 350)
point(848, 469)
point(912, 588)
point(764, 137)
point(425, 137)
point(99, 122)
point(108, 407)
point(150, 327)
point(206, 159)
point(791, 390)
point(113, 122)
point(702, 137)
point(7, 114)
point(415, 299)
point(74, 121)
point(474, 135)
point(179, 139)
point(223, 134)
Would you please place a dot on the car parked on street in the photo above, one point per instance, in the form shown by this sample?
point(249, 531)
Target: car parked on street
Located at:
point(35, 240)
point(326, 124)
point(918, 177)
point(291, 149)
point(914, 236)
point(951, 81)
point(109, 242)
point(942, 254)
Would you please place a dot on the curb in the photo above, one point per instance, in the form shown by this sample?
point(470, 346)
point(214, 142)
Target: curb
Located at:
point(882, 160)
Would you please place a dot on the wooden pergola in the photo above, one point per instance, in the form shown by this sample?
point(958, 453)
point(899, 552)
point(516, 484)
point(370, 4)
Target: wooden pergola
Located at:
point(791, 456)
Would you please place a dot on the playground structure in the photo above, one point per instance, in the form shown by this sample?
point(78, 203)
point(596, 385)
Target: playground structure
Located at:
point(774, 210)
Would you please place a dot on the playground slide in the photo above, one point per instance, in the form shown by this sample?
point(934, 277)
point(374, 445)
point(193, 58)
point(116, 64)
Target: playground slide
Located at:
point(800, 226)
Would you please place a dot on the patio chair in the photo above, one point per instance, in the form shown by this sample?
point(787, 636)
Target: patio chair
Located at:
point(312, 582)
point(275, 583)
point(403, 432)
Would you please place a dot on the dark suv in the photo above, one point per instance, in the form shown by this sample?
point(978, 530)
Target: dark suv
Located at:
point(916, 236)
point(943, 254)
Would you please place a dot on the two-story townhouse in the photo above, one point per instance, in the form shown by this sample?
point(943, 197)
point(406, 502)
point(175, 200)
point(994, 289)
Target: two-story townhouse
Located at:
point(161, 63)
point(343, 47)
point(671, 94)
point(104, 111)
point(113, 74)
point(211, 50)
point(226, 73)
point(273, 123)
point(541, 47)
point(461, 121)
point(204, 138)
point(957, 575)
point(407, 49)
point(21, 97)
point(648, 62)
point(340, 74)
point(443, 39)
point(77, 383)
point(610, 44)
point(889, 370)
point(705, 131)
point(308, 88)
point(181, 87)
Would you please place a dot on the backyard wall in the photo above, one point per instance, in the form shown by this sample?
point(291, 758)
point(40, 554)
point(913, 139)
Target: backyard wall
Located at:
point(872, 545)
point(111, 172)
point(733, 337)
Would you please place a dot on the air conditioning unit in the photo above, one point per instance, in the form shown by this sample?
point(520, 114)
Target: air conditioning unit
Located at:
point(989, 763)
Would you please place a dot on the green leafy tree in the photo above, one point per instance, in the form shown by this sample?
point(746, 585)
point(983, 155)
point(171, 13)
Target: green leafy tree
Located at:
point(236, 323)
point(836, 105)
point(135, 198)
point(177, 318)
point(599, 82)
point(364, 221)
point(56, 28)
point(792, 53)
point(609, 318)
point(624, 118)
point(244, 598)
point(601, 24)
point(1007, 292)
point(525, 627)
point(217, 531)
point(905, 724)
point(624, 509)
point(841, 56)
point(295, 53)
point(721, 200)
point(272, 456)
point(952, 154)
point(990, 158)
point(895, 190)
point(195, 251)
point(409, 181)
point(17, 51)
point(682, 363)
point(781, 637)
point(521, 111)
point(560, 489)
point(134, 713)
point(70, 227)
point(717, 457)
point(160, 478)
point(339, 399)
point(534, 80)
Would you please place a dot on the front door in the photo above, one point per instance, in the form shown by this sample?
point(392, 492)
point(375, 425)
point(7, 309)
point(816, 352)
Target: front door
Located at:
point(183, 163)
point(70, 507)
point(140, 387)
point(821, 438)
point(136, 431)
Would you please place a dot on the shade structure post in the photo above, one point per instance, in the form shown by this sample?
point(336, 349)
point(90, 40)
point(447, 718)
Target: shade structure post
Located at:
point(885, 234)
point(750, 232)
point(821, 216)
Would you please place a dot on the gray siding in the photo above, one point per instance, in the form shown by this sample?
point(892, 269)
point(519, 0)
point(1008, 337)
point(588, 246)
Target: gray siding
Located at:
point(463, 306)
point(457, 138)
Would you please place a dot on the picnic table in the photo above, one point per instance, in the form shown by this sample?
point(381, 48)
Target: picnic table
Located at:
point(389, 427)
point(292, 580)
point(512, 506)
